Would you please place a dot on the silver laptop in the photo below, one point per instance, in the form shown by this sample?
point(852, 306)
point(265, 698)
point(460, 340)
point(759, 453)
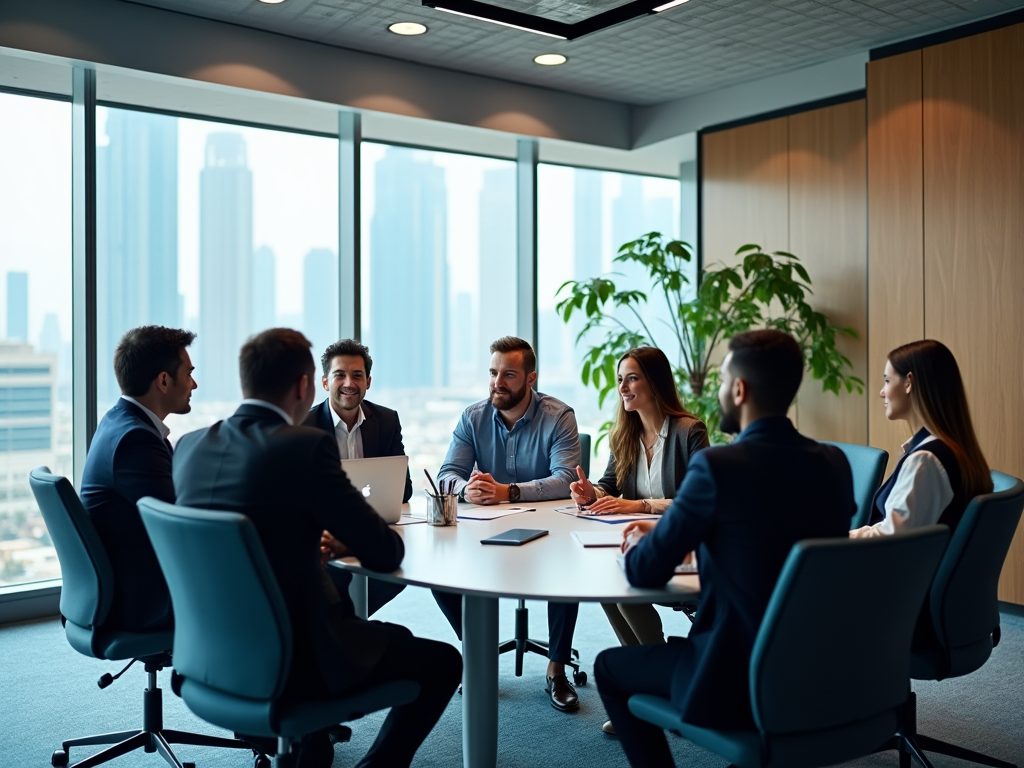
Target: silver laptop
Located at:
point(382, 482)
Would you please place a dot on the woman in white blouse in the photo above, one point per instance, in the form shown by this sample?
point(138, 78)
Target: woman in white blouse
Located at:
point(651, 441)
point(942, 467)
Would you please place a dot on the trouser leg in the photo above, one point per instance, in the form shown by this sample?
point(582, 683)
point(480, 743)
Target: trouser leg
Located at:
point(561, 626)
point(619, 624)
point(450, 604)
point(644, 621)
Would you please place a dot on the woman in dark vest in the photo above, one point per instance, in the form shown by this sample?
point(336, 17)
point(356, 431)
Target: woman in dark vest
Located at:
point(942, 467)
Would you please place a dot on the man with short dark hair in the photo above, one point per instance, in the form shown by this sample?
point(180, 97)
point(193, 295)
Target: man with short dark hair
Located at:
point(130, 457)
point(518, 445)
point(744, 505)
point(288, 480)
point(364, 430)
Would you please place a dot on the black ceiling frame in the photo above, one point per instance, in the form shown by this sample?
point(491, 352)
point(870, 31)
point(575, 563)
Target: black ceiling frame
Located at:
point(531, 23)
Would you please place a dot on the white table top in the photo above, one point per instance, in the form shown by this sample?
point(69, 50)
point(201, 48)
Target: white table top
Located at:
point(555, 567)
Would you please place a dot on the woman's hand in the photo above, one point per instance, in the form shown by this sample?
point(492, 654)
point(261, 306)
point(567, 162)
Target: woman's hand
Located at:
point(613, 505)
point(582, 490)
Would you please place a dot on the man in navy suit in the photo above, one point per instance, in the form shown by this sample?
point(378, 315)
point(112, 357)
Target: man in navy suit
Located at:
point(744, 506)
point(130, 457)
point(362, 429)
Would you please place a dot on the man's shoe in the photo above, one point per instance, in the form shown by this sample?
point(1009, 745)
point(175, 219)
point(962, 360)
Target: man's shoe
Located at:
point(563, 695)
point(608, 728)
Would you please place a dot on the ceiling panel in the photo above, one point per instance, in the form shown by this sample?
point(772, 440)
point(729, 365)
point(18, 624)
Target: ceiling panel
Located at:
point(696, 47)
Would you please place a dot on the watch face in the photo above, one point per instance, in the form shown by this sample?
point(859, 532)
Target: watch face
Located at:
point(513, 492)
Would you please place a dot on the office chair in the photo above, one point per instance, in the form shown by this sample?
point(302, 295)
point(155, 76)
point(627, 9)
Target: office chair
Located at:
point(521, 642)
point(232, 632)
point(959, 625)
point(85, 600)
point(818, 698)
point(868, 467)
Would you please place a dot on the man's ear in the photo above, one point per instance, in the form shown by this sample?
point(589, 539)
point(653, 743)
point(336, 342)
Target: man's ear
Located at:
point(531, 379)
point(302, 387)
point(740, 391)
point(323, 381)
point(368, 380)
point(163, 381)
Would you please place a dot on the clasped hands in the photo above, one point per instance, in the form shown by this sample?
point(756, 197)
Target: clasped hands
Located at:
point(586, 498)
point(484, 489)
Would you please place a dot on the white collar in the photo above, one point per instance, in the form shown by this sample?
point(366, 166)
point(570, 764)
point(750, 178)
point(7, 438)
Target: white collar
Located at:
point(337, 419)
point(275, 408)
point(162, 428)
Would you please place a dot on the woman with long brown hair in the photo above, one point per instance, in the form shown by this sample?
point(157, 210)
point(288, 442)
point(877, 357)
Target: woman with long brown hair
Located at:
point(942, 467)
point(652, 440)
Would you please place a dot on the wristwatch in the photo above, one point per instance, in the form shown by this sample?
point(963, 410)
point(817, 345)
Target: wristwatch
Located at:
point(513, 492)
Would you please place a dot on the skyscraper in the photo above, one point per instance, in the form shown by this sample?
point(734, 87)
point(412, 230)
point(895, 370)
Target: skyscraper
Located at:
point(588, 241)
point(497, 257)
point(264, 289)
point(137, 231)
point(409, 279)
point(320, 298)
point(17, 306)
point(225, 264)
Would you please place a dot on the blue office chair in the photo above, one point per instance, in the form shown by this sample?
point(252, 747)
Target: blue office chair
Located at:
point(85, 599)
point(960, 624)
point(232, 632)
point(818, 696)
point(585, 453)
point(868, 466)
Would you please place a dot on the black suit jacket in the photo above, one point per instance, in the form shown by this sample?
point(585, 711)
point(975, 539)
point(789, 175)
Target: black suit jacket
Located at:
point(288, 481)
point(129, 459)
point(745, 504)
point(381, 432)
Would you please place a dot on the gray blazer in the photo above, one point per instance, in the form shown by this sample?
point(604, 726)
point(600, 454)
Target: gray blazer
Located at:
point(686, 436)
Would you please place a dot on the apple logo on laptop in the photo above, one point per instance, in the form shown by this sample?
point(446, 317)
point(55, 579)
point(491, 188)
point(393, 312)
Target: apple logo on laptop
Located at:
point(366, 491)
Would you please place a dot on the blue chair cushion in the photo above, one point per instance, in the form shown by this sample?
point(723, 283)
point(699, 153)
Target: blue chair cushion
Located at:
point(116, 645)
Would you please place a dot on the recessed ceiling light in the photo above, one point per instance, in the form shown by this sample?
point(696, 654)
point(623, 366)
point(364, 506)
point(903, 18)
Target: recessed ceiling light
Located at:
point(407, 28)
point(271, 2)
point(668, 5)
point(550, 59)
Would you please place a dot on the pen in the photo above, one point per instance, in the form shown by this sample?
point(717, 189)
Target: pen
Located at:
point(431, 481)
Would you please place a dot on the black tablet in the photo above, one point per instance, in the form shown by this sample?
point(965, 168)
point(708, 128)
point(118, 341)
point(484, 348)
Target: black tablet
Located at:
point(515, 537)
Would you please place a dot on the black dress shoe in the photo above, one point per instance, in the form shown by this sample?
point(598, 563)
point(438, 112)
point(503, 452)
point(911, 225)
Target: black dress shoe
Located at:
point(563, 695)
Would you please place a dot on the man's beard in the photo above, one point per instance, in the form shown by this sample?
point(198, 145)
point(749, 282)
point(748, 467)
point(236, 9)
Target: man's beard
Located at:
point(506, 402)
point(730, 420)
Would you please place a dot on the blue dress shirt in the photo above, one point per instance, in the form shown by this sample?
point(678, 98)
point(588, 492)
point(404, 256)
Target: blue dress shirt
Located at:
point(539, 453)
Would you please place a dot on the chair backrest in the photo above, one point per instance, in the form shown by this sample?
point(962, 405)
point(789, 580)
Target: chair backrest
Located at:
point(88, 589)
point(817, 663)
point(231, 625)
point(964, 599)
point(868, 467)
point(585, 453)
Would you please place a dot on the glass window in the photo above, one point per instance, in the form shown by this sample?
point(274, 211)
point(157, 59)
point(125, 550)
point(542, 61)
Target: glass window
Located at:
point(584, 217)
point(35, 346)
point(221, 229)
point(438, 284)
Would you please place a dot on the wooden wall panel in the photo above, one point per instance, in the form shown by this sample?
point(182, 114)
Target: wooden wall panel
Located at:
point(974, 227)
point(828, 231)
point(895, 228)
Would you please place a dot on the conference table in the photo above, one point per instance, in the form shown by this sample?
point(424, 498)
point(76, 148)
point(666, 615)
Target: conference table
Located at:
point(553, 568)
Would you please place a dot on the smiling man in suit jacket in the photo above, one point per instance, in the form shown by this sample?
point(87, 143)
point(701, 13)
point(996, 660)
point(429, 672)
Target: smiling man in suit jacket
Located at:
point(362, 429)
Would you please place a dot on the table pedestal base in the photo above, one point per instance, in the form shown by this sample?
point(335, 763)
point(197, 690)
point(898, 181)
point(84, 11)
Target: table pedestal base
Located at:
point(479, 682)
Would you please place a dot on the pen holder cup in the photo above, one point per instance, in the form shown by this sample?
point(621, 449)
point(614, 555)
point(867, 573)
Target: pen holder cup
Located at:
point(443, 509)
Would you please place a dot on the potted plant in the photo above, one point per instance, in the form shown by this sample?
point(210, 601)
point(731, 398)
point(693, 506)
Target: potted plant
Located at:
point(766, 290)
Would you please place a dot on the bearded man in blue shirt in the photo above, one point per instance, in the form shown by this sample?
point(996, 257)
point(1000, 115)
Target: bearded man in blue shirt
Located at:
point(518, 445)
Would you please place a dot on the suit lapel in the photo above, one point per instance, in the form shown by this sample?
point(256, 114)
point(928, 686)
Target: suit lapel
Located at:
point(323, 417)
point(370, 431)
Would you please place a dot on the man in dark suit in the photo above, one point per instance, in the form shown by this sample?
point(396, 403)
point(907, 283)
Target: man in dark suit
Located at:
point(288, 480)
point(363, 430)
point(130, 457)
point(744, 505)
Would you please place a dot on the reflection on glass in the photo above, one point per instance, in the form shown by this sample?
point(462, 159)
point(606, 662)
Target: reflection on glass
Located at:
point(438, 285)
point(35, 345)
point(222, 229)
point(584, 217)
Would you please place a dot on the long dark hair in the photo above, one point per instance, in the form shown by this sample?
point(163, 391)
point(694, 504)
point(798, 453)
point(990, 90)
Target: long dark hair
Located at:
point(938, 398)
point(628, 429)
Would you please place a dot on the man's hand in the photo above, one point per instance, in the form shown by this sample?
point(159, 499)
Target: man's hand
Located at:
point(331, 548)
point(634, 532)
point(582, 490)
point(482, 489)
point(613, 505)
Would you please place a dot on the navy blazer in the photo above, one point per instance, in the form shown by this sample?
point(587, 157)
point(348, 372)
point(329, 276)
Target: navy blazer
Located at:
point(129, 459)
point(288, 481)
point(744, 505)
point(381, 432)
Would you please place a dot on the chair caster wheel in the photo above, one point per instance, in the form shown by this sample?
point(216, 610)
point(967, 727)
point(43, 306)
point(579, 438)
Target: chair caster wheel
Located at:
point(261, 761)
point(59, 758)
point(579, 677)
point(188, 765)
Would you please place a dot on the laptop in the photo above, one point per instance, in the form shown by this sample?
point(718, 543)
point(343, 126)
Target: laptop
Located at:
point(382, 482)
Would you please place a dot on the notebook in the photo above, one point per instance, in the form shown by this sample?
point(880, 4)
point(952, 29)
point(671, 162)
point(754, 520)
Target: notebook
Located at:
point(382, 482)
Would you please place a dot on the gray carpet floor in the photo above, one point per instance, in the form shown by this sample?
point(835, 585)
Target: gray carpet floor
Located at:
point(48, 692)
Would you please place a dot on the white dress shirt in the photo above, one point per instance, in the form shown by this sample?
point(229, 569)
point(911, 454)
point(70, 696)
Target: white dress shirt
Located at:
point(162, 428)
point(649, 481)
point(350, 442)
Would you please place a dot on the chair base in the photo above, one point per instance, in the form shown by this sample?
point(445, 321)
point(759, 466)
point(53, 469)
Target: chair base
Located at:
point(523, 644)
